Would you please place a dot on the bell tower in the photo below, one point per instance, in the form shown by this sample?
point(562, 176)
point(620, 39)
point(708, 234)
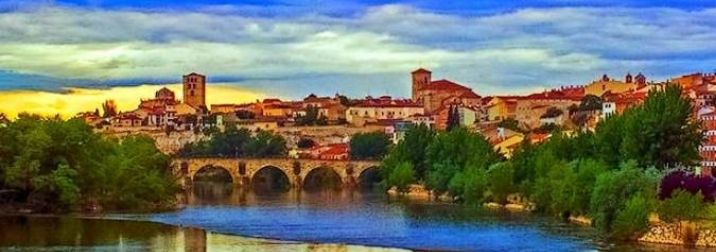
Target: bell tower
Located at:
point(194, 90)
point(421, 78)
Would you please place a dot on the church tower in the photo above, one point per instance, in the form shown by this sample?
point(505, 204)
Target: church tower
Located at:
point(421, 78)
point(195, 90)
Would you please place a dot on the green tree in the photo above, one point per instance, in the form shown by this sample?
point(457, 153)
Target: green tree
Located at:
point(633, 219)
point(500, 179)
point(590, 102)
point(662, 132)
point(682, 206)
point(402, 176)
point(412, 149)
point(373, 145)
point(612, 189)
point(474, 183)
point(453, 151)
point(266, 144)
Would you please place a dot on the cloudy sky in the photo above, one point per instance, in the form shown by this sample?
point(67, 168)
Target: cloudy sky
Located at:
point(289, 48)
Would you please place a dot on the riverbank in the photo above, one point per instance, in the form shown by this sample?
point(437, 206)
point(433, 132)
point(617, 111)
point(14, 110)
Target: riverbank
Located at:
point(684, 234)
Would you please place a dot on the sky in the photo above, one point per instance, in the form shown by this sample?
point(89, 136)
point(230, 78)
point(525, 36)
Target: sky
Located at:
point(291, 48)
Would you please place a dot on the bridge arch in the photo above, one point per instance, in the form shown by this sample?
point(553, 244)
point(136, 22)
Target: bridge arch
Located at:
point(369, 177)
point(322, 177)
point(213, 172)
point(270, 178)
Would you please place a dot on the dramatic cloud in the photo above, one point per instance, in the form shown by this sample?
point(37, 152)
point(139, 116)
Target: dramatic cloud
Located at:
point(370, 51)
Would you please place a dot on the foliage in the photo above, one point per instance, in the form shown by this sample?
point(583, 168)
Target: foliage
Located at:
point(682, 206)
point(552, 112)
point(590, 102)
point(235, 142)
point(475, 184)
point(245, 114)
point(511, 124)
point(453, 151)
point(412, 149)
point(500, 180)
point(633, 218)
point(661, 132)
point(110, 108)
point(312, 117)
point(688, 181)
point(612, 189)
point(453, 118)
point(401, 177)
point(60, 165)
point(372, 145)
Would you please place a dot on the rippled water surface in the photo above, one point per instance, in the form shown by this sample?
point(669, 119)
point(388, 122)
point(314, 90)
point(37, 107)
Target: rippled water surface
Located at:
point(372, 219)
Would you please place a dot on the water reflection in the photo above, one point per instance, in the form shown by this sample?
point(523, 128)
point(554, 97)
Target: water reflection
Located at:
point(372, 219)
point(72, 234)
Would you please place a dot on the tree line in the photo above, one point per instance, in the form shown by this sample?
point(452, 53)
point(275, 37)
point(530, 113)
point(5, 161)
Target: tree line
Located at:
point(234, 142)
point(616, 174)
point(56, 165)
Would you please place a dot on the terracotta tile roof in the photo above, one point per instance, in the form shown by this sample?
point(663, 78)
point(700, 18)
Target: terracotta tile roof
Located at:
point(445, 85)
point(422, 70)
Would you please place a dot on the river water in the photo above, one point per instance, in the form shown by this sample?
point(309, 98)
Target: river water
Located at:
point(223, 218)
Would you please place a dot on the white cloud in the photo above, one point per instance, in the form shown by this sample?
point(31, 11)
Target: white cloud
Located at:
point(500, 52)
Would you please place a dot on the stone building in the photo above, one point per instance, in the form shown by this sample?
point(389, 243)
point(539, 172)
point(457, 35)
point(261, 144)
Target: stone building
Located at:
point(372, 109)
point(606, 84)
point(434, 94)
point(194, 87)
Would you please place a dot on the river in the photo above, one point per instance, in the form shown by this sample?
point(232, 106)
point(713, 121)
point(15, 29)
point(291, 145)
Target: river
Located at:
point(226, 216)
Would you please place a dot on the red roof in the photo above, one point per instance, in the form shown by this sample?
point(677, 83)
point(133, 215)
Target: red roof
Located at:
point(422, 70)
point(446, 85)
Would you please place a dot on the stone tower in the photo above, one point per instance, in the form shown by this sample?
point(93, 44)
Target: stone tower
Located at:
point(421, 78)
point(195, 90)
point(628, 78)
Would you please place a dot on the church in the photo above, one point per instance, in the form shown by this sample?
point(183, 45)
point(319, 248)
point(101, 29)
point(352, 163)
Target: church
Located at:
point(435, 95)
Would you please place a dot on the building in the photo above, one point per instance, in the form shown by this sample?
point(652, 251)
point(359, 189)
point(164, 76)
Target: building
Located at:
point(384, 108)
point(531, 108)
point(618, 103)
point(434, 94)
point(501, 107)
point(194, 87)
point(606, 84)
point(695, 79)
point(707, 115)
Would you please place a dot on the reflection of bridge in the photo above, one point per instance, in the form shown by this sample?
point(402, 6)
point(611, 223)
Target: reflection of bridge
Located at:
point(244, 171)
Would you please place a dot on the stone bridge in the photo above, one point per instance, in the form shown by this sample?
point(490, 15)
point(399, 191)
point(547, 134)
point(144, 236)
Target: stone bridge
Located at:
point(244, 170)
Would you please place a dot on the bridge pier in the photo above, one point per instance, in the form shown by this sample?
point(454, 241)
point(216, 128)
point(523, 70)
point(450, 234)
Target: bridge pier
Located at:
point(243, 171)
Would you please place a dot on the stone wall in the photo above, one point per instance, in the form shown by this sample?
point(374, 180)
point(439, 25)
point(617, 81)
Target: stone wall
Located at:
point(679, 234)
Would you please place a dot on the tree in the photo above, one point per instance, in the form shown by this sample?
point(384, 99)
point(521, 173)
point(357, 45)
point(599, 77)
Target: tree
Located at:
point(401, 177)
point(590, 102)
point(475, 184)
point(552, 112)
point(412, 149)
point(310, 118)
point(266, 144)
point(682, 206)
point(453, 119)
point(661, 132)
point(373, 145)
point(634, 218)
point(500, 180)
point(451, 152)
point(511, 124)
point(110, 108)
point(612, 189)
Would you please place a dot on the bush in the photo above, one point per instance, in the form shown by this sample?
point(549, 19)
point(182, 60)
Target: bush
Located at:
point(500, 180)
point(402, 176)
point(682, 205)
point(634, 218)
point(372, 145)
point(612, 189)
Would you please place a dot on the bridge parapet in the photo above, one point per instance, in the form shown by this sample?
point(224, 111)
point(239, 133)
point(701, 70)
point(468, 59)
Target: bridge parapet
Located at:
point(243, 170)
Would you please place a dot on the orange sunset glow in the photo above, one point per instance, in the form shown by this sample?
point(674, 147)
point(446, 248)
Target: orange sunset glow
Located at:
point(75, 100)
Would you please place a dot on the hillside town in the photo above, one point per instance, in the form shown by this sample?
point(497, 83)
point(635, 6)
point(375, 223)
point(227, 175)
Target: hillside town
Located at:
point(328, 123)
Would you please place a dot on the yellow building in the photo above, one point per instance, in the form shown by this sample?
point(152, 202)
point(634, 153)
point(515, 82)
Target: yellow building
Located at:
point(507, 146)
point(501, 107)
point(605, 84)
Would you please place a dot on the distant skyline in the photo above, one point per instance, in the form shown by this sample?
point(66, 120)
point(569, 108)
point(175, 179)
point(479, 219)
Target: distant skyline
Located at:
point(290, 48)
